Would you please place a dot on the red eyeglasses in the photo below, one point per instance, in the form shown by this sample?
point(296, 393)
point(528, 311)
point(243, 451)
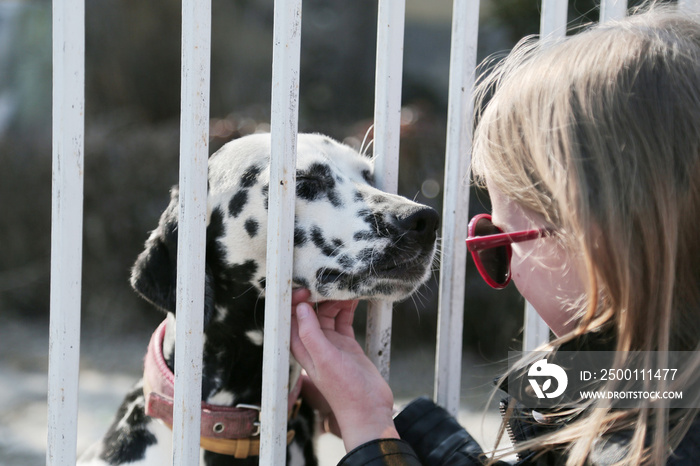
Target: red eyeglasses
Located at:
point(491, 250)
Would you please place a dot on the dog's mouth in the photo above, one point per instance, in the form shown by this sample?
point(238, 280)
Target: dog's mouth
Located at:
point(327, 276)
point(386, 277)
point(400, 270)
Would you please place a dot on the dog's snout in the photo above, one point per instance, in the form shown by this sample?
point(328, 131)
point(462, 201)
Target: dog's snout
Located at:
point(421, 225)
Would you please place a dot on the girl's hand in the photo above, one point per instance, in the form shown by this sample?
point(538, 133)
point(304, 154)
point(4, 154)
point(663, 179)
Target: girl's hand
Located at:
point(309, 391)
point(349, 384)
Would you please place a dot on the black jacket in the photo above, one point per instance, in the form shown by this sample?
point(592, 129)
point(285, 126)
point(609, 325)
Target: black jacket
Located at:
point(431, 436)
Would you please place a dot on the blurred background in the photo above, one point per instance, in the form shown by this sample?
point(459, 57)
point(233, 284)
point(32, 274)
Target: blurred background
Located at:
point(131, 160)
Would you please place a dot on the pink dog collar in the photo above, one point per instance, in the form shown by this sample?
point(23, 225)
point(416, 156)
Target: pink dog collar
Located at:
point(218, 422)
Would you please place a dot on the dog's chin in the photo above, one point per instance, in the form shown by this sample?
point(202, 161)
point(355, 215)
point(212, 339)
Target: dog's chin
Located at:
point(398, 295)
point(395, 283)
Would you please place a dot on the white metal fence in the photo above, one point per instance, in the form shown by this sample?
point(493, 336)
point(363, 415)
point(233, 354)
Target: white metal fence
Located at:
point(66, 246)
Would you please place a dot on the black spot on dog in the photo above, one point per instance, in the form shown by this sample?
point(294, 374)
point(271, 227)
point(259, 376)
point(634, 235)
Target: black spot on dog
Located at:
point(215, 229)
point(323, 289)
point(337, 243)
point(266, 195)
point(364, 214)
point(302, 282)
point(358, 197)
point(365, 235)
point(237, 203)
point(378, 200)
point(365, 256)
point(299, 236)
point(346, 261)
point(317, 182)
point(320, 242)
point(251, 227)
point(326, 275)
point(376, 222)
point(128, 438)
point(335, 200)
point(250, 176)
point(309, 189)
point(327, 278)
point(353, 285)
point(240, 273)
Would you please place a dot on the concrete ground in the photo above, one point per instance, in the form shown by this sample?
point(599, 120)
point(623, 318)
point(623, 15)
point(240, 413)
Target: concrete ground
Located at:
point(110, 365)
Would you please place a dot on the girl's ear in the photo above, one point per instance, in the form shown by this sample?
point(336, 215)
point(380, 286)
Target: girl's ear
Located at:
point(154, 274)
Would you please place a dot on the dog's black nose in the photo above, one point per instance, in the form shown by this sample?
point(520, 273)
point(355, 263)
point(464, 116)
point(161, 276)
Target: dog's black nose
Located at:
point(420, 225)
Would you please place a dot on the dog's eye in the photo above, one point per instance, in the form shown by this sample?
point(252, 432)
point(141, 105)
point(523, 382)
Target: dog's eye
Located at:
point(310, 188)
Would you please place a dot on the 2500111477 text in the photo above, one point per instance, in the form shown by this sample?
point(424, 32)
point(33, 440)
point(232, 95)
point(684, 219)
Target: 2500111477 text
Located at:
point(630, 374)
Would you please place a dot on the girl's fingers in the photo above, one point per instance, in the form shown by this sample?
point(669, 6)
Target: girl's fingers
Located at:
point(343, 322)
point(300, 295)
point(310, 334)
point(297, 346)
point(327, 313)
point(330, 311)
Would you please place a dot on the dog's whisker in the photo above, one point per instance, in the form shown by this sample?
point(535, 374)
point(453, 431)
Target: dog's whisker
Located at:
point(364, 140)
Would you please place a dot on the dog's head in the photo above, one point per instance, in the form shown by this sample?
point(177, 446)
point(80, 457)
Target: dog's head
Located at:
point(350, 239)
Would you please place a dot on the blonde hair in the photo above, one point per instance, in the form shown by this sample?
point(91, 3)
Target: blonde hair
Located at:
point(600, 134)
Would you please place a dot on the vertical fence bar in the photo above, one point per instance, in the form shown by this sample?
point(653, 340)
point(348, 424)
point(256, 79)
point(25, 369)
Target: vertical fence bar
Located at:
point(448, 363)
point(194, 152)
point(536, 330)
point(280, 244)
point(387, 135)
point(612, 10)
point(553, 19)
point(68, 126)
point(552, 27)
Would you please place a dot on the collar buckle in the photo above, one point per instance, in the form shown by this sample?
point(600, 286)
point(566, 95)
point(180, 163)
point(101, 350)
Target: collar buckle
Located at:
point(256, 424)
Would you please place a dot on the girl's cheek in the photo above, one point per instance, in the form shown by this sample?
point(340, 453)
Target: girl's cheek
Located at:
point(548, 282)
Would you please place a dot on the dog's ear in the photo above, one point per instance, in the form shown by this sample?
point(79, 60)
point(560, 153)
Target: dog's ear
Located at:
point(154, 275)
point(155, 272)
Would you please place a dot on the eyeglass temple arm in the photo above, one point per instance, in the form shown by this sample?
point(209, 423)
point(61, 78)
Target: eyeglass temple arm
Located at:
point(477, 243)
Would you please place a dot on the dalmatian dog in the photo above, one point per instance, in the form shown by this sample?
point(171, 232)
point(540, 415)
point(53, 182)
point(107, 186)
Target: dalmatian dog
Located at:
point(351, 241)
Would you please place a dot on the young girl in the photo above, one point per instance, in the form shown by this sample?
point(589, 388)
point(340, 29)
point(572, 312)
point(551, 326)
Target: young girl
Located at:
point(594, 142)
